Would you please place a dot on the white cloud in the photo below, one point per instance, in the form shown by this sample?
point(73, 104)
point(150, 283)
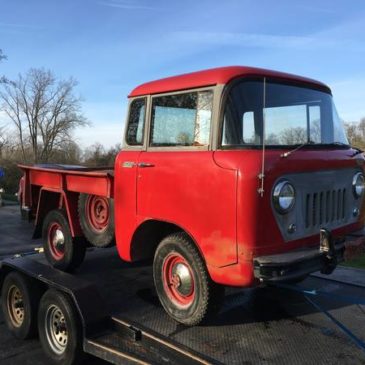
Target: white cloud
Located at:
point(311, 42)
point(106, 133)
point(125, 4)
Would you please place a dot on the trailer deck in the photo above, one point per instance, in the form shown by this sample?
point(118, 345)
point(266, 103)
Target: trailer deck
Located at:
point(256, 326)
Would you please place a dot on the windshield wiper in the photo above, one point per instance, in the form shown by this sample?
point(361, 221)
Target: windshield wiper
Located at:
point(286, 154)
point(357, 151)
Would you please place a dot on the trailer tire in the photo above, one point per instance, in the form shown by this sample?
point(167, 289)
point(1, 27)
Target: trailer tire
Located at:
point(182, 282)
point(19, 301)
point(60, 329)
point(62, 251)
point(96, 216)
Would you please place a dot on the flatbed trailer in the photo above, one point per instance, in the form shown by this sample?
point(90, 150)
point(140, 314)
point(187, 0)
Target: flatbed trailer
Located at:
point(123, 322)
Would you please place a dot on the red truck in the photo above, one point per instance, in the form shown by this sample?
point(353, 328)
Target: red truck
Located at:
point(232, 176)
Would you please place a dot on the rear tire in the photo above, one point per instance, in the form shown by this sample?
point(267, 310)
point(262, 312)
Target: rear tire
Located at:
point(60, 330)
point(182, 282)
point(62, 251)
point(19, 301)
point(96, 215)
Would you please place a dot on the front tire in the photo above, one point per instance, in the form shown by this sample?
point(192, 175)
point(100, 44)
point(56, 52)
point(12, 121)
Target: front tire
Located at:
point(19, 301)
point(182, 282)
point(62, 251)
point(60, 330)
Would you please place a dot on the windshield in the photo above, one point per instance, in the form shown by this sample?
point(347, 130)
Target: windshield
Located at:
point(287, 115)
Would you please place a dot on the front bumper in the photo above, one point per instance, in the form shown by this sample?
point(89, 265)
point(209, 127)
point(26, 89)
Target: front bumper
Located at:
point(297, 264)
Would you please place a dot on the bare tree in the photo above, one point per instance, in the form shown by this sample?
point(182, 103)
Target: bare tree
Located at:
point(3, 79)
point(4, 141)
point(356, 133)
point(43, 110)
point(295, 135)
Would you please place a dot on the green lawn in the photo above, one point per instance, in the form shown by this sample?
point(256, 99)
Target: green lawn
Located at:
point(358, 263)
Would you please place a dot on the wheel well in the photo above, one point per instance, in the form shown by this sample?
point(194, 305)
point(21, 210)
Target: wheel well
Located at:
point(50, 200)
point(148, 235)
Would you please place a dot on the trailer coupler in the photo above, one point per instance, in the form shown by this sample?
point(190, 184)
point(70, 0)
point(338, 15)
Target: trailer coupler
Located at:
point(308, 293)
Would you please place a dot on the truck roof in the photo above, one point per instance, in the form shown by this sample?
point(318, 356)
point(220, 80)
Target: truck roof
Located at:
point(215, 76)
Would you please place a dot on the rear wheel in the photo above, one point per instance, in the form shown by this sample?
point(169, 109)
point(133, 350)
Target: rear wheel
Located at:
point(96, 215)
point(182, 282)
point(59, 328)
point(19, 300)
point(61, 250)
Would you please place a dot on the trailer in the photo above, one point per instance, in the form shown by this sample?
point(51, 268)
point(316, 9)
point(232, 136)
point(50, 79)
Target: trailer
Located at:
point(113, 313)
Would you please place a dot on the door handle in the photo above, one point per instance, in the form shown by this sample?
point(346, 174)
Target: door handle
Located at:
point(145, 164)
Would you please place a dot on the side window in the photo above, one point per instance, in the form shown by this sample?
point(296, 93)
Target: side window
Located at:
point(136, 122)
point(182, 119)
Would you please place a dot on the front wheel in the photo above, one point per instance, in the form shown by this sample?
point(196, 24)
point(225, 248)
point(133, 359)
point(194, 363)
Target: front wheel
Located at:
point(182, 282)
point(59, 328)
point(62, 251)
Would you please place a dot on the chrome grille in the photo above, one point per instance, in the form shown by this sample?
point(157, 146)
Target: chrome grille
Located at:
point(325, 207)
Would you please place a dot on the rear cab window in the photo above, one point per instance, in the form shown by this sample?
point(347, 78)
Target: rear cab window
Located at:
point(136, 122)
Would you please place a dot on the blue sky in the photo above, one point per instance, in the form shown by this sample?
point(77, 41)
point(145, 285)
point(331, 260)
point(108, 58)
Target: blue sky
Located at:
point(110, 46)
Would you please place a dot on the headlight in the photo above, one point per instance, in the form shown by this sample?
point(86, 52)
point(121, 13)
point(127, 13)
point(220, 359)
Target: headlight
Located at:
point(283, 196)
point(358, 185)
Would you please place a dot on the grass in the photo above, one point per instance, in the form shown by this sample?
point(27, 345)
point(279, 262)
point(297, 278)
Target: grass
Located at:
point(358, 263)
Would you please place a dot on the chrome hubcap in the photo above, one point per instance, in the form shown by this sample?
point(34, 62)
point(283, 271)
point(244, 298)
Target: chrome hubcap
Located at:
point(56, 329)
point(181, 279)
point(58, 239)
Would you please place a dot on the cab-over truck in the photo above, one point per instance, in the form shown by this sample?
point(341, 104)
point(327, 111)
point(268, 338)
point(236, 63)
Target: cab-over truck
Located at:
point(232, 176)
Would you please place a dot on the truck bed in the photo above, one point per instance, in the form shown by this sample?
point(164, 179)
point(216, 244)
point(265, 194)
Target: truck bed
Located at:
point(79, 179)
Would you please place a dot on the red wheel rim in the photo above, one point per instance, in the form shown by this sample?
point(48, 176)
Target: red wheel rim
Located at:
point(98, 212)
point(178, 280)
point(56, 241)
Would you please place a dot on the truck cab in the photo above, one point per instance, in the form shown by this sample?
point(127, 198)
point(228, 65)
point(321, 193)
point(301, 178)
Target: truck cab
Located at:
point(233, 176)
point(251, 164)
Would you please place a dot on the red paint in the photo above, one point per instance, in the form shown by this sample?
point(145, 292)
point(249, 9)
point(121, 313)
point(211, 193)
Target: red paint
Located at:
point(215, 76)
point(172, 282)
point(211, 195)
point(97, 211)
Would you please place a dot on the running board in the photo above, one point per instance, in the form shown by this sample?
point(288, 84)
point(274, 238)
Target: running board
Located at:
point(125, 343)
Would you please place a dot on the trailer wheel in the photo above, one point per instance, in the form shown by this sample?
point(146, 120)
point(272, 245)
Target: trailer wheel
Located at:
point(60, 330)
point(19, 300)
point(182, 282)
point(96, 215)
point(62, 250)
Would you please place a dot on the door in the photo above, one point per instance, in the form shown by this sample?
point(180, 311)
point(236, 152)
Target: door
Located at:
point(179, 181)
point(125, 177)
